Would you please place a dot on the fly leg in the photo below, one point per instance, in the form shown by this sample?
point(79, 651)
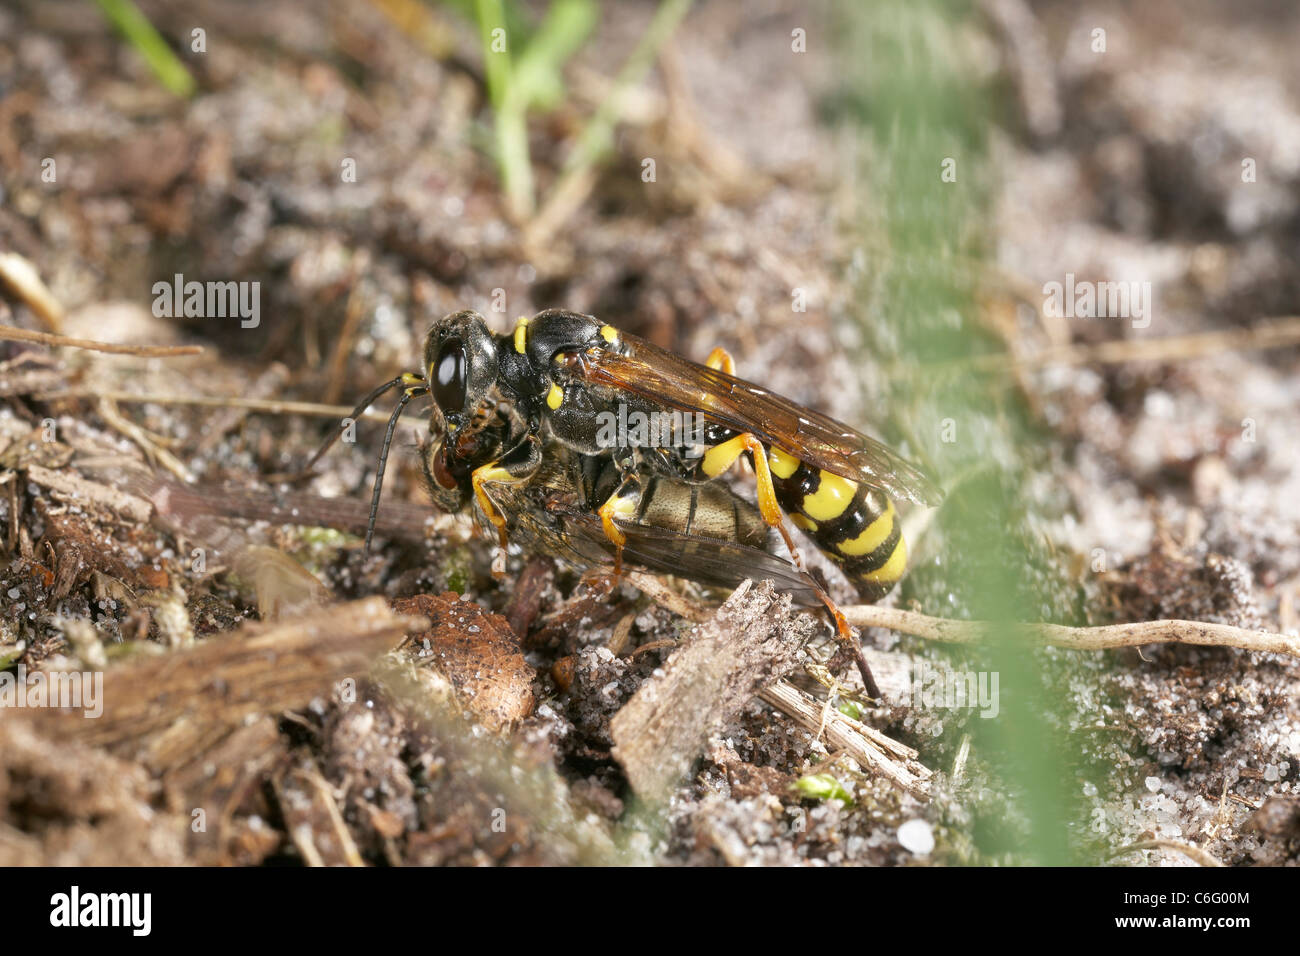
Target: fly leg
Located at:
point(621, 504)
point(519, 464)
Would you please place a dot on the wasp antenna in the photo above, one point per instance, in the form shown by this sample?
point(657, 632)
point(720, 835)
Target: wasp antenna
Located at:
point(356, 413)
point(409, 394)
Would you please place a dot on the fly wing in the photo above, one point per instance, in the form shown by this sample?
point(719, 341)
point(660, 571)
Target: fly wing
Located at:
point(711, 561)
point(742, 406)
point(546, 516)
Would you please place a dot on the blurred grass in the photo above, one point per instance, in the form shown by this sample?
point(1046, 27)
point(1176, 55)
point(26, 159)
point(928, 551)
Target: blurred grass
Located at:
point(527, 75)
point(136, 29)
point(524, 71)
point(597, 137)
point(908, 93)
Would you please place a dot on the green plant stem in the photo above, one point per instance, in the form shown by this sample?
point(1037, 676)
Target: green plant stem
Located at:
point(509, 104)
point(140, 33)
point(598, 135)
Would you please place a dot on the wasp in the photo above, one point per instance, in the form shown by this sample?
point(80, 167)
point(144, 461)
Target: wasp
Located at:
point(522, 428)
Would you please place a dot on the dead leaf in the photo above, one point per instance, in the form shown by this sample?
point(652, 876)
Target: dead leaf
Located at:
point(478, 653)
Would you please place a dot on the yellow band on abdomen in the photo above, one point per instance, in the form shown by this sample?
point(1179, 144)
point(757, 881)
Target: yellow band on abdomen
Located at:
point(891, 570)
point(783, 465)
point(833, 495)
point(872, 536)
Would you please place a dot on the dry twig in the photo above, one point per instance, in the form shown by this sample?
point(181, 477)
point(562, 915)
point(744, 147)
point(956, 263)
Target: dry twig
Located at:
point(168, 710)
point(746, 645)
point(25, 282)
point(270, 406)
point(11, 334)
point(312, 817)
point(68, 486)
point(112, 415)
point(1077, 638)
point(1272, 334)
point(868, 746)
point(1190, 850)
point(654, 588)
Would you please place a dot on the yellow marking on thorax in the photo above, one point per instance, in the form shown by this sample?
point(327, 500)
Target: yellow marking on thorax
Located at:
point(832, 496)
point(609, 334)
point(555, 396)
point(872, 536)
point(521, 334)
point(892, 569)
point(783, 465)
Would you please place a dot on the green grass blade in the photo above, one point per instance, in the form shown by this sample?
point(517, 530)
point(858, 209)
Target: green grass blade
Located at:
point(140, 33)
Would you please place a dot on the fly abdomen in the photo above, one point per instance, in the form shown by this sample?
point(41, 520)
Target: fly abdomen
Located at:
point(853, 524)
point(711, 511)
point(686, 508)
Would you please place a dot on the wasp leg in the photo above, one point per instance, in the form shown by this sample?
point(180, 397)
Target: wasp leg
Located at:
point(845, 632)
point(721, 360)
point(721, 457)
point(621, 504)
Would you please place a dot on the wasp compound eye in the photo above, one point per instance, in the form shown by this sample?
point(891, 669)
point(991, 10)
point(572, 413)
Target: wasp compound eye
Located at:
point(449, 376)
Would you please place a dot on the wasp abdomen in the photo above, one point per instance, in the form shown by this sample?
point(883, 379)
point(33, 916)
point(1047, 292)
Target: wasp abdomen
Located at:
point(853, 524)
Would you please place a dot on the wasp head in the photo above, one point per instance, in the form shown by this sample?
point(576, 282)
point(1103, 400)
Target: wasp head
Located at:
point(460, 360)
point(472, 424)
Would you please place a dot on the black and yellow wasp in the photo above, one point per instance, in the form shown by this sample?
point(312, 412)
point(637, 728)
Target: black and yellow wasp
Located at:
point(522, 428)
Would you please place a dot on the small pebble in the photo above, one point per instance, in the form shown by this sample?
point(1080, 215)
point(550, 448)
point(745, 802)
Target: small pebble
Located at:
point(917, 837)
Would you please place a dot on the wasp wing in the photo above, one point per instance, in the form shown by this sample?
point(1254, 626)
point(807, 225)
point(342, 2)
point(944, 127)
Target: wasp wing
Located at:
point(817, 439)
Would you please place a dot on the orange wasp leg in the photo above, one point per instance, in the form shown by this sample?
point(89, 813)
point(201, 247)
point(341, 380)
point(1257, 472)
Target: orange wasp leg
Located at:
point(844, 631)
point(721, 457)
point(494, 472)
point(720, 360)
